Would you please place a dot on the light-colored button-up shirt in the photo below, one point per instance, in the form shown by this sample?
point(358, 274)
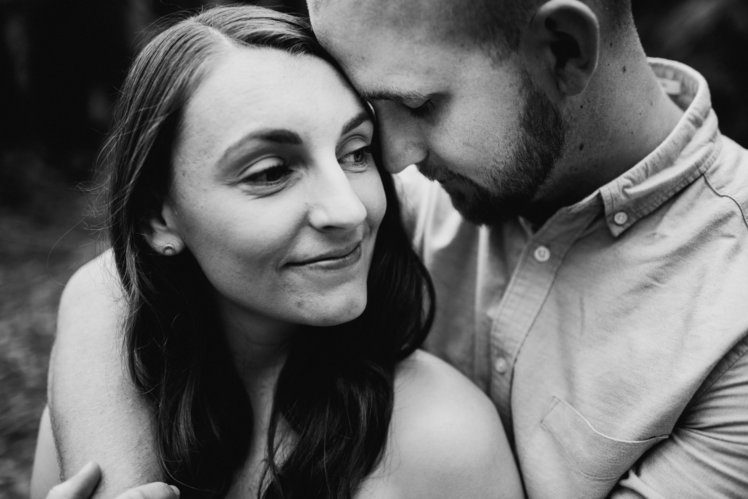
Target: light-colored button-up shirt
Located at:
point(612, 340)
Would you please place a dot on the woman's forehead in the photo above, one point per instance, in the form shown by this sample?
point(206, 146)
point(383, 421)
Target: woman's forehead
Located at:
point(248, 89)
point(271, 82)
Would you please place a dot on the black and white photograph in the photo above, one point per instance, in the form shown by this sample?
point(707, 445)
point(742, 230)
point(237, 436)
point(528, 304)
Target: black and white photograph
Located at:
point(374, 249)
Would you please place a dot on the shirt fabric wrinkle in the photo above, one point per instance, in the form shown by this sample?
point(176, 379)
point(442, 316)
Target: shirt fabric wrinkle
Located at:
point(600, 332)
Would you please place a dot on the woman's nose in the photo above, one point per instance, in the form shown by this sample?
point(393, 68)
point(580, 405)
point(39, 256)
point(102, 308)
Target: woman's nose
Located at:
point(334, 201)
point(401, 139)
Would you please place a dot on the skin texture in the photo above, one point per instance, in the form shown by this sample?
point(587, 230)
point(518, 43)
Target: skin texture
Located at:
point(279, 201)
point(83, 483)
point(267, 219)
point(257, 215)
point(467, 129)
point(396, 53)
point(514, 132)
point(471, 457)
point(469, 136)
point(86, 364)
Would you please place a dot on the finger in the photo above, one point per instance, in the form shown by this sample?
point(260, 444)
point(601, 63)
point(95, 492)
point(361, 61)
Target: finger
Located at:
point(155, 490)
point(79, 486)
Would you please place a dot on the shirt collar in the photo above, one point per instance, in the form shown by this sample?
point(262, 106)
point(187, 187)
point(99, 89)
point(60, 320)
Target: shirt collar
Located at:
point(682, 157)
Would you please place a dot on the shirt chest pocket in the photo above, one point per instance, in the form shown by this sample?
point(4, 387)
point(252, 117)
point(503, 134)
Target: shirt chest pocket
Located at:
point(593, 454)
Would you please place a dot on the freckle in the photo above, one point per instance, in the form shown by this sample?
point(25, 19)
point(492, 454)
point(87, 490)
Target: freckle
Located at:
point(581, 106)
point(624, 69)
point(581, 146)
point(611, 45)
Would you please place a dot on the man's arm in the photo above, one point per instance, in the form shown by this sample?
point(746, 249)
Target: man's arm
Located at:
point(707, 454)
point(97, 414)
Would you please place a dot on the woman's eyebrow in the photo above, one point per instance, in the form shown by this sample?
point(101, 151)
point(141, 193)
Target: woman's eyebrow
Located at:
point(357, 120)
point(277, 135)
point(283, 136)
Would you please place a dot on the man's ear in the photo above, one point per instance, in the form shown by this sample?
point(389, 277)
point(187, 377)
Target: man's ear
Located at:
point(163, 235)
point(562, 44)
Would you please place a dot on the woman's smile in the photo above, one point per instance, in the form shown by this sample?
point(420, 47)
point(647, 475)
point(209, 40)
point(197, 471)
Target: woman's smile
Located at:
point(334, 258)
point(279, 201)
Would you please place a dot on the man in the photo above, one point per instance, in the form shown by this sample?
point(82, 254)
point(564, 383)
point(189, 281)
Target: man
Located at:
point(588, 235)
point(601, 302)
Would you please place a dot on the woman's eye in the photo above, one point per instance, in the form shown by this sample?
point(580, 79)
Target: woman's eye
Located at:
point(268, 176)
point(358, 159)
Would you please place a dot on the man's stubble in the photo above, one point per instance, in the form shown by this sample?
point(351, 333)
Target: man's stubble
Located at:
point(513, 181)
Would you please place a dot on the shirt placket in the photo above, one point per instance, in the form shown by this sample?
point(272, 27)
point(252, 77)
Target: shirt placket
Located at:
point(523, 300)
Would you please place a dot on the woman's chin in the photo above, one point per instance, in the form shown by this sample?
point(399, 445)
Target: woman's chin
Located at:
point(334, 314)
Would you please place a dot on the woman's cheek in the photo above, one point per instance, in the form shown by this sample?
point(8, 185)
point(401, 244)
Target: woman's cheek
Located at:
point(371, 192)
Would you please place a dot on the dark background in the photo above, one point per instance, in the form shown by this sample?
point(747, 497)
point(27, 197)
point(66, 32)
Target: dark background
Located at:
point(60, 65)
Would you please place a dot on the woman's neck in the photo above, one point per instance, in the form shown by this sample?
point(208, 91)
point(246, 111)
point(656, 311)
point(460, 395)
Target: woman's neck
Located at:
point(258, 346)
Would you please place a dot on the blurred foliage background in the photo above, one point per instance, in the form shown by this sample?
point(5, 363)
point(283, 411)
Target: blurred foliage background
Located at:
point(60, 66)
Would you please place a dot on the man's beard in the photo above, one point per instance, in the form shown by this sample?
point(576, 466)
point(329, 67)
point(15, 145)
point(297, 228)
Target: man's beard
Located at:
point(511, 186)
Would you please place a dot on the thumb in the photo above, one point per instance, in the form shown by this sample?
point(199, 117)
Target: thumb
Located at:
point(154, 490)
point(79, 486)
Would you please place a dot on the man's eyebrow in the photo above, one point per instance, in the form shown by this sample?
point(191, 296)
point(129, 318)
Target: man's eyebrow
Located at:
point(357, 120)
point(277, 135)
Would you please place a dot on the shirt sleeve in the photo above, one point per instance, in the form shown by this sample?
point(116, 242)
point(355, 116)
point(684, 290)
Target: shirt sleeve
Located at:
point(707, 453)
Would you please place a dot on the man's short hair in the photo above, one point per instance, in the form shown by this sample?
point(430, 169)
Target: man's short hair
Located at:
point(490, 21)
point(496, 25)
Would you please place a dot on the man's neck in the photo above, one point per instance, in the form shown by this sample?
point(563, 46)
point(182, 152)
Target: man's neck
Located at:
point(622, 120)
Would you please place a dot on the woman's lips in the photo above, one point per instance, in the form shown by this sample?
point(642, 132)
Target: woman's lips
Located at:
point(331, 260)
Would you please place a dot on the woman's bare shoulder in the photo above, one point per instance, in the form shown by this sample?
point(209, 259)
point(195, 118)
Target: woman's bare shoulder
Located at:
point(92, 305)
point(446, 439)
point(96, 281)
point(433, 399)
point(96, 412)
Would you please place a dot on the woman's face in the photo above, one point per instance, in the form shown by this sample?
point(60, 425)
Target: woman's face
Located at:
point(275, 191)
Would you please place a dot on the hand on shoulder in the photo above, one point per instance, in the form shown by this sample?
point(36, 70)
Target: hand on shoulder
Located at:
point(83, 484)
point(446, 439)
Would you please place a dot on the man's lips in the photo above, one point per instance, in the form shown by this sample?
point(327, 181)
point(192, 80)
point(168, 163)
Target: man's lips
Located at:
point(437, 174)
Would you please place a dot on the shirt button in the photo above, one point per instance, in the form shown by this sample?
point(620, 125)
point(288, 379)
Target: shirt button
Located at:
point(620, 218)
point(501, 365)
point(542, 254)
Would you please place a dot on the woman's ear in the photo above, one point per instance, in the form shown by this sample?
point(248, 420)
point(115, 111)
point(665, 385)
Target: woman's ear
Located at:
point(562, 44)
point(163, 235)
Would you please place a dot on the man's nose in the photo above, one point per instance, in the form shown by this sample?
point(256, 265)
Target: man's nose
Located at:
point(334, 202)
point(402, 139)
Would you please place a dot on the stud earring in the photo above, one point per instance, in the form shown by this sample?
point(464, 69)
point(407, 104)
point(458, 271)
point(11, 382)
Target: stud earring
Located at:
point(169, 250)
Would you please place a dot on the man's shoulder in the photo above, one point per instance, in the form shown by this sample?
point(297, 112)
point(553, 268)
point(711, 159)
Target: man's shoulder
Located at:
point(727, 177)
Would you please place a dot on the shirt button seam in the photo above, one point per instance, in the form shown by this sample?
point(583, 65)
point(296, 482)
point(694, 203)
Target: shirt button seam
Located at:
point(542, 254)
point(501, 365)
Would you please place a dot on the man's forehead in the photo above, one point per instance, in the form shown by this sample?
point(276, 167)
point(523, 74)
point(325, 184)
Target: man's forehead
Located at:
point(410, 15)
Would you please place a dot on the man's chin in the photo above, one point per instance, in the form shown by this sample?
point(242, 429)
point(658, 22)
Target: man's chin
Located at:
point(477, 206)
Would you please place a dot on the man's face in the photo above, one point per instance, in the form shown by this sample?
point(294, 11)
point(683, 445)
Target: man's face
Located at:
point(474, 123)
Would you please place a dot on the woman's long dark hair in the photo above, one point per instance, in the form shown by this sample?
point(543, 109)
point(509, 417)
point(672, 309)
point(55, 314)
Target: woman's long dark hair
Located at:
point(335, 391)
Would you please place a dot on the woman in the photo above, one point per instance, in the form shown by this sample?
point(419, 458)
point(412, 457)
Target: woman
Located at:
point(275, 303)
